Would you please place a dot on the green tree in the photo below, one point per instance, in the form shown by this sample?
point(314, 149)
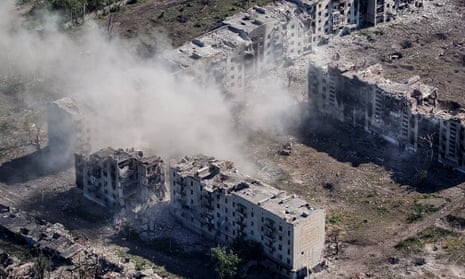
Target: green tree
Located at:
point(227, 262)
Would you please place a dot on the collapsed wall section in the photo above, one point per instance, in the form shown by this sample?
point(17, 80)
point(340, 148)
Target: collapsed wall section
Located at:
point(112, 177)
point(407, 114)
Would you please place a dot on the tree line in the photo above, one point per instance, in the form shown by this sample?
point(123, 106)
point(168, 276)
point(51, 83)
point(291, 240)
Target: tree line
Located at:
point(74, 9)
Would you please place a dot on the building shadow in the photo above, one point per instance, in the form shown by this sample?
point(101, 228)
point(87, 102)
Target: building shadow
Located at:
point(68, 207)
point(34, 165)
point(192, 264)
point(349, 144)
point(86, 219)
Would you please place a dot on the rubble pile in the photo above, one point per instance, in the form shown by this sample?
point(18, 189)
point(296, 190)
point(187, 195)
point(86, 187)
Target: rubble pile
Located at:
point(48, 247)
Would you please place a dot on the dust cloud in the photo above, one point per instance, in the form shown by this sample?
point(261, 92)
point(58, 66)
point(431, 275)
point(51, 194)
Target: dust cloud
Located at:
point(135, 102)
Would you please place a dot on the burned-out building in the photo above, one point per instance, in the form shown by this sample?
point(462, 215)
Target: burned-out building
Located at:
point(51, 239)
point(451, 134)
point(408, 114)
point(247, 44)
point(380, 11)
point(112, 177)
point(365, 99)
point(212, 198)
point(264, 38)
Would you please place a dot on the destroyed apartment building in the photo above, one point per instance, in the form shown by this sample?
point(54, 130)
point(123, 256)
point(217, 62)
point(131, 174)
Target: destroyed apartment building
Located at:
point(112, 177)
point(52, 240)
point(406, 114)
point(210, 197)
point(266, 37)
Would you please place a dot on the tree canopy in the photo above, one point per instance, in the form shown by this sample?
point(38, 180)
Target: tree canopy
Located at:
point(227, 262)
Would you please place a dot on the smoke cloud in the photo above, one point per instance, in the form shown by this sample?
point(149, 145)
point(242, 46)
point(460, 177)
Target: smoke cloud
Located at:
point(135, 101)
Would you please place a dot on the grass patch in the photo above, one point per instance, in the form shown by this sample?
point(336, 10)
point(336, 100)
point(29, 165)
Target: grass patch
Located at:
point(364, 32)
point(166, 245)
point(334, 218)
point(420, 210)
point(380, 205)
point(347, 223)
point(139, 262)
point(192, 18)
point(429, 235)
point(455, 247)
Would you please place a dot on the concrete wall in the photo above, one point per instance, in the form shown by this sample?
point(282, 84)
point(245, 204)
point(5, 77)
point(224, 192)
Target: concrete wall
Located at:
point(224, 216)
point(403, 119)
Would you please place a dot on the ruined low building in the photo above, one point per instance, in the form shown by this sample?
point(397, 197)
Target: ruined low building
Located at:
point(111, 177)
point(408, 114)
point(51, 239)
point(213, 199)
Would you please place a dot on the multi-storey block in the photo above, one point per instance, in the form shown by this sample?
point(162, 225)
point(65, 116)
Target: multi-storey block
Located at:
point(111, 177)
point(364, 98)
point(452, 141)
point(213, 199)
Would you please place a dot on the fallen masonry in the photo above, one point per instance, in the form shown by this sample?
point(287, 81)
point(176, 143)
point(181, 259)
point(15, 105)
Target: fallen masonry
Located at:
point(212, 198)
point(48, 240)
point(112, 177)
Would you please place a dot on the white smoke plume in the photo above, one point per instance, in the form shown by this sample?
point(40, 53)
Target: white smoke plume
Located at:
point(136, 102)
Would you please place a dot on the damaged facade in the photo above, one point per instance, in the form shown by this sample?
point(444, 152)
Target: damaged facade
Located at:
point(213, 199)
point(111, 177)
point(406, 114)
point(380, 11)
point(264, 38)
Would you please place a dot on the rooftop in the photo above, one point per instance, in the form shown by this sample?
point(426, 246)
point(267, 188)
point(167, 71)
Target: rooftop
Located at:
point(121, 155)
point(216, 174)
point(232, 36)
point(410, 91)
point(290, 208)
point(216, 44)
